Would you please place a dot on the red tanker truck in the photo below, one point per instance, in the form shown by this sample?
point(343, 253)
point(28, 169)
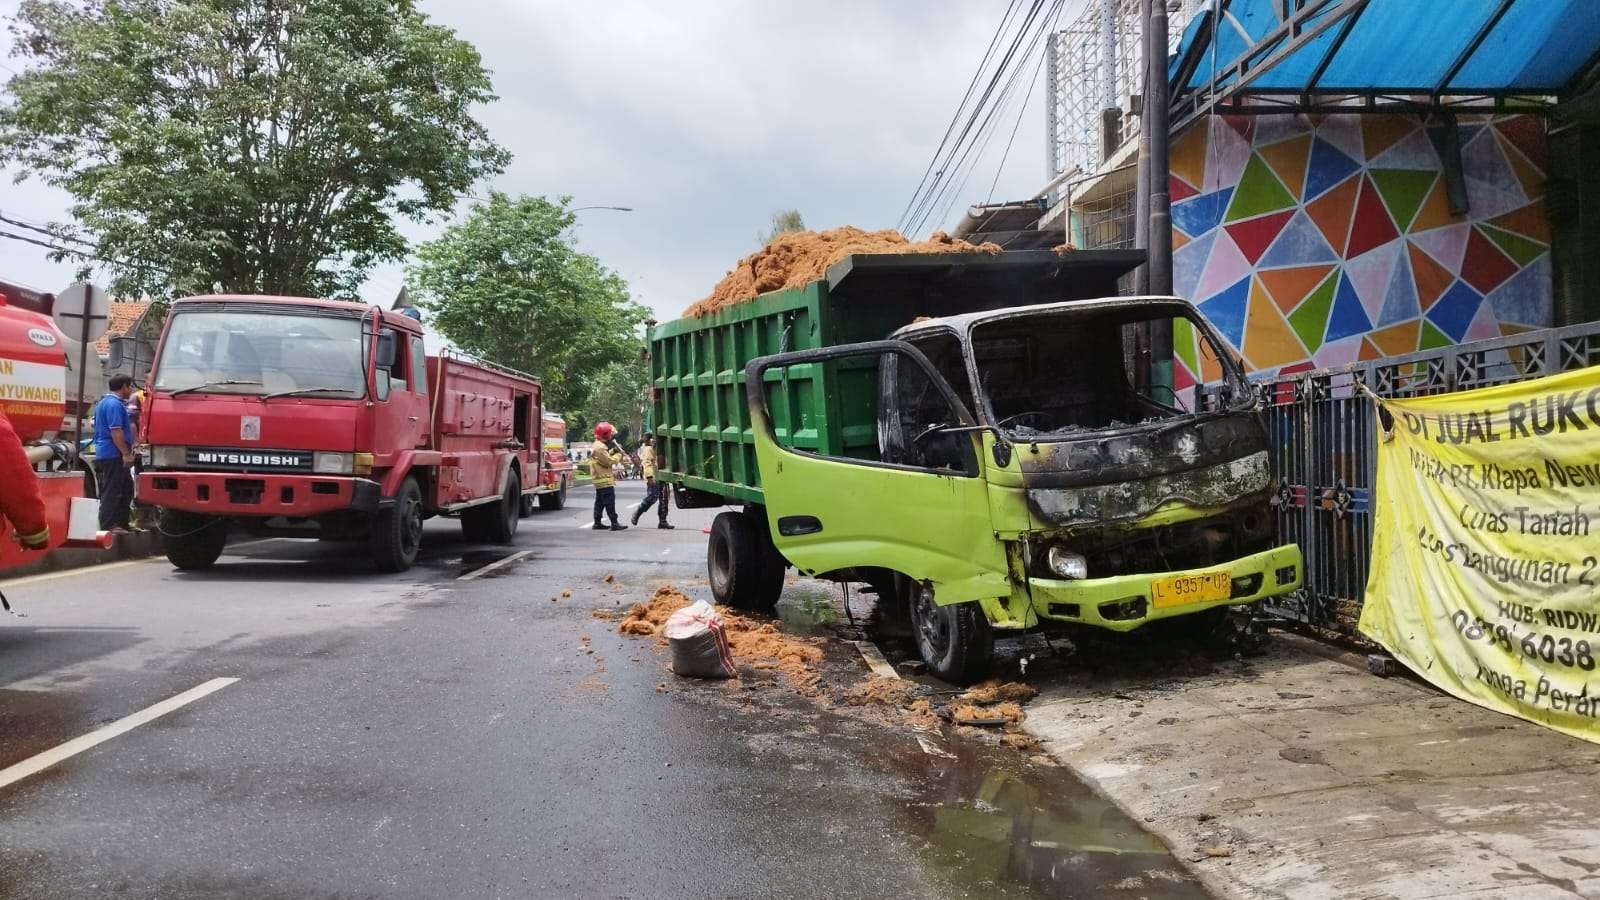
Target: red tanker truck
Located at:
point(33, 376)
point(284, 415)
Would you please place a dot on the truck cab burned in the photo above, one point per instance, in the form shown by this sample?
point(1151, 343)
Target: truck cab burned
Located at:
point(1098, 442)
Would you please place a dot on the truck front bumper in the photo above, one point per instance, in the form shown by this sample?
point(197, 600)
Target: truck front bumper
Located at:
point(258, 496)
point(1125, 602)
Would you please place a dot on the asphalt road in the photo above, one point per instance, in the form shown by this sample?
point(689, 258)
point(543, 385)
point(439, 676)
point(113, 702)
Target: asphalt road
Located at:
point(424, 736)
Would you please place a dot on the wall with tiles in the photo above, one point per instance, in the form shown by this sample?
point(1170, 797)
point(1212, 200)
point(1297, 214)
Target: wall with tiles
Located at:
point(1314, 241)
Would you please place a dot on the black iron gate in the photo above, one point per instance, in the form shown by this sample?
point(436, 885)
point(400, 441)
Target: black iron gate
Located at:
point(1324, 450)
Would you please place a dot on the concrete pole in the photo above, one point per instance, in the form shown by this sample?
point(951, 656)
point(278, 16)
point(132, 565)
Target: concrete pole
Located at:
point(1156, 104)
point(1141, 198)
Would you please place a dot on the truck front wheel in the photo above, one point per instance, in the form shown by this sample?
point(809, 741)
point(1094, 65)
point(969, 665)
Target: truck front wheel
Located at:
point(745, 570)
point(192, 542)
point(955, 641)
point(397, 530)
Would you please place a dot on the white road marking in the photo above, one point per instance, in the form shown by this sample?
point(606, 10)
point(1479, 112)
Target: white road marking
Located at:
point(589, 525)
point(38, 763)
point(497, 564)
point(932, 749)
point(875, 661)
point(232, 547)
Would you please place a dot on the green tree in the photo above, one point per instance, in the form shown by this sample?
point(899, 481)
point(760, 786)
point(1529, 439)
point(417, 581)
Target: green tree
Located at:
point(507, 283)
point(617, 394)
point(783, 222)
point(244, 145)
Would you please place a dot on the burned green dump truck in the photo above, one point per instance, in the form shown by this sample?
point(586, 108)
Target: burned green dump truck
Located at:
point(975, 437)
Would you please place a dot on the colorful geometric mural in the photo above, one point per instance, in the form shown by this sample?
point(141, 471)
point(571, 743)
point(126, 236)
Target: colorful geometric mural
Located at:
point(1314, 241)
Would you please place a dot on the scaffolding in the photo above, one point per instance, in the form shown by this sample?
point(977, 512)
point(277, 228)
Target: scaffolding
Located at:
point(1092, 66)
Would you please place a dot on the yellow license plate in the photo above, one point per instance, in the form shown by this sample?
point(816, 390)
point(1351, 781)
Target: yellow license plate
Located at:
point(1180, 590)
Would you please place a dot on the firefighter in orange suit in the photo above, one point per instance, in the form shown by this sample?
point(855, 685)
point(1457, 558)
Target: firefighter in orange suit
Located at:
point(20, 502)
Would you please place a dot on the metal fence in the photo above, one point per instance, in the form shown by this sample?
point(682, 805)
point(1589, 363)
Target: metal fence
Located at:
point(1324, 450)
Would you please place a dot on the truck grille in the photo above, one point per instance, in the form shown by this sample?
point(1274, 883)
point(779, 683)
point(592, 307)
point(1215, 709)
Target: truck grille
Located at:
point(234, 459)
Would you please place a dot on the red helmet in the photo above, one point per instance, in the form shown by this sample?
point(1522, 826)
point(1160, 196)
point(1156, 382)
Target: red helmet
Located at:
point(604, 431)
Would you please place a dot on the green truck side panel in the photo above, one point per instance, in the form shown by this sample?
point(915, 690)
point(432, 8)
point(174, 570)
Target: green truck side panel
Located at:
point(697, 371)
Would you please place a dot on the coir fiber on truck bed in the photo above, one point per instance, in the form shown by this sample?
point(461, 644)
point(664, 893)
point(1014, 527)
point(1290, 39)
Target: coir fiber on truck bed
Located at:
point(800, 257)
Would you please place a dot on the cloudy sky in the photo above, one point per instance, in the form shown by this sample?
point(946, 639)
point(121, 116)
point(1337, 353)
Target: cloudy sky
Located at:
point(704, 117)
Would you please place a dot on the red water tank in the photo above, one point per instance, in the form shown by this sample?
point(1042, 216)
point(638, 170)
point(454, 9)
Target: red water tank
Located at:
point(33, 372)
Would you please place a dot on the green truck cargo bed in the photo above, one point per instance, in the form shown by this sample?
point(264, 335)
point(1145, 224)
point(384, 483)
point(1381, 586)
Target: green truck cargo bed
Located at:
point(699, 414)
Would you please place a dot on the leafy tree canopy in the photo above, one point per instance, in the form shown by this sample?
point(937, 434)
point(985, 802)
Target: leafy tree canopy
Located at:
point(783, 222)
point(617, 394)
point(244, 145)
point(507, 283)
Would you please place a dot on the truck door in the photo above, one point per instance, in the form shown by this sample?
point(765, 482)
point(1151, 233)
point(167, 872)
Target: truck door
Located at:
point(402, 395)
point(858, 468)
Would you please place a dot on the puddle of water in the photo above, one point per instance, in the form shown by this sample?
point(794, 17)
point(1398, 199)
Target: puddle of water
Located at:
point(991, 822)
point(808, 610)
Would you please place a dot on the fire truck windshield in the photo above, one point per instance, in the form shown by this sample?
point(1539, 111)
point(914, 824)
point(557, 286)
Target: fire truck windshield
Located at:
point(250, 352)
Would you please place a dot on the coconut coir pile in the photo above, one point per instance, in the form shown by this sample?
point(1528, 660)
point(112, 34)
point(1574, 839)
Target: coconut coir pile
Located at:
point(801, 257)
point(760, 645)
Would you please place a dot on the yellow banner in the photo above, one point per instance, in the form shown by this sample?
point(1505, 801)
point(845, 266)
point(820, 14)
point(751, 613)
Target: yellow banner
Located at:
point(1484, 575)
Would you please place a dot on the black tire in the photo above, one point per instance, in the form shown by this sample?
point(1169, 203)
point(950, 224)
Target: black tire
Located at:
point(955, 641)
point(192, 542)
point(525, 506)
point(397, 530)
point(555, 499)
point(500, 519)
point(745, 570)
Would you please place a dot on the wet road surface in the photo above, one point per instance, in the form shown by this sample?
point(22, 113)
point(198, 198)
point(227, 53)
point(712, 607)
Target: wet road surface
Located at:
point(424, 736)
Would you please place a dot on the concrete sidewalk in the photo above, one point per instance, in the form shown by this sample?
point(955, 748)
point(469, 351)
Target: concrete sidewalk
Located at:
point(1298, 774)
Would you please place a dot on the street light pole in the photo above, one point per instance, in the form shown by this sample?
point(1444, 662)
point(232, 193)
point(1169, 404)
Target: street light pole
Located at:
point(616, 208)
point(1158, 239)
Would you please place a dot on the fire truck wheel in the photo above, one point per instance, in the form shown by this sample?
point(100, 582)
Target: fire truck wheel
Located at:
point(746, 571)
point(397, 530)
point(500, 519)
point(192, 542)
point(525, 506)
point(955, 640)
point(554, 500)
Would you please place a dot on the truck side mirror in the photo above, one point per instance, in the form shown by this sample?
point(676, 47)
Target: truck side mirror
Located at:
point(388, 348)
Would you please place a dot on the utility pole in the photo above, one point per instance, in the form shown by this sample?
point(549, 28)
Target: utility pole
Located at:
point(1154, 140)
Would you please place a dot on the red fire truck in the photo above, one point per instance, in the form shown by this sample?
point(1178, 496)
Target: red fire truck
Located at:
point(33, 394)
point(284, 415)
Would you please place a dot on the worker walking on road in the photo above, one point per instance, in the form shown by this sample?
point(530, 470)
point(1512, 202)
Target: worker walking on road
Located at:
point(113, 454)
point(604, 458)
point(654, 490)
point(20, 501)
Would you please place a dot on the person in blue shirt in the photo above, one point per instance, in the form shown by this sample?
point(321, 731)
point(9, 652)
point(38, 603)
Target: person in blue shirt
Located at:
point(113, 454)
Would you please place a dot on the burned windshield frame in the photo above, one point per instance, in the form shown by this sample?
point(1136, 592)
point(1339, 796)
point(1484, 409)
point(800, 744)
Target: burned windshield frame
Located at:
point(1238, 396)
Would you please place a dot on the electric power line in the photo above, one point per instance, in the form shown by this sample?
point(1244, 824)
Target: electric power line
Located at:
point(956, 116)
point(958, 152)
point(1030, 34)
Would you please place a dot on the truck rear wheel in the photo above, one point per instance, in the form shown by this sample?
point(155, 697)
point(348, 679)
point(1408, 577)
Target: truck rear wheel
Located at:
point(955, 641)
point(192, 542)
point(397, 530)
point(745, 570)
point(556, 499)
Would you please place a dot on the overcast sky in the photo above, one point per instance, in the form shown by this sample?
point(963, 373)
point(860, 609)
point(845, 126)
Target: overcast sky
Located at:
point(704, 117)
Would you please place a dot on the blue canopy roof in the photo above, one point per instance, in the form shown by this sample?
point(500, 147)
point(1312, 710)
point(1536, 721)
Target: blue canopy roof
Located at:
point(1416, 51)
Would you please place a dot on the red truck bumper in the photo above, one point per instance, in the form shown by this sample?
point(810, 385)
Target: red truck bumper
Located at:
point(263, 496)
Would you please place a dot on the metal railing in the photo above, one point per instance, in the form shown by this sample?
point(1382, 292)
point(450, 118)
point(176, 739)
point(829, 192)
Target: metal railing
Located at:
point(1324, 450)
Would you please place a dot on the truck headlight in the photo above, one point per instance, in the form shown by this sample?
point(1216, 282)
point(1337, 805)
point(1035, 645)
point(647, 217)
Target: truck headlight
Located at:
point(168, 457)
point(1066, 564)
point(324, 462)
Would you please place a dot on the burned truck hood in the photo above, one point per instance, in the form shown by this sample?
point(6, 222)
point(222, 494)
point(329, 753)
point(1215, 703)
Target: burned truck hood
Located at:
point(1109, 478)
